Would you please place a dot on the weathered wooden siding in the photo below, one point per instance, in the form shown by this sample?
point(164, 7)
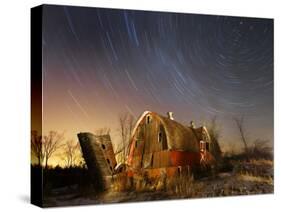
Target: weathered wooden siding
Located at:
point(150, 137)
point(99, 157)
point(161, 159)
point(167, 158)
point(149, 145)
point(92, 159)
point(181, 158)
point(107, 150)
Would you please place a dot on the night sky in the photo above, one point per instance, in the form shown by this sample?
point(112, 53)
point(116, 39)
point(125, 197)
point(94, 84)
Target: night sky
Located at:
point(98, 63)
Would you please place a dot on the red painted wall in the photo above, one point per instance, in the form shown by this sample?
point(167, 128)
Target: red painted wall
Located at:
point(181, 158)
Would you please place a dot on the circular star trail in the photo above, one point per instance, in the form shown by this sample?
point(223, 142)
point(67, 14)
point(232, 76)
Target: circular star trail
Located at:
point(99, 63)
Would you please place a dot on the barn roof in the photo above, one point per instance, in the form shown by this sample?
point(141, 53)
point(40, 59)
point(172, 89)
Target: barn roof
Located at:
point(179, 137)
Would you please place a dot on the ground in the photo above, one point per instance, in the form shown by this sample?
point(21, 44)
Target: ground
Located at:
point(245, 178)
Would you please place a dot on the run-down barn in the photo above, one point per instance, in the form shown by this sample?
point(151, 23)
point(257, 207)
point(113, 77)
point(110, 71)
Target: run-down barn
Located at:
point(157, 145)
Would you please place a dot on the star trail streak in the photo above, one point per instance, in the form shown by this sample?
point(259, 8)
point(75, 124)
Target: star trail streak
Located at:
point(103, 62)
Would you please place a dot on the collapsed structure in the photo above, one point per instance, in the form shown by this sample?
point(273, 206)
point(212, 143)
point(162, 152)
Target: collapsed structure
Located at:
point(99, 157)
point(158, 146)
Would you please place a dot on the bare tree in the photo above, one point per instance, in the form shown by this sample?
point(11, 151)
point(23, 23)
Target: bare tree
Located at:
point(261, 149)
point(51, 143)
point(214, 133)
point(71, 153)
point(232, 149)
point(126, 124)
point(213, 128)
point(130, 124)
point(123, 133)
point(80, 159)
point(240, 125)
point(36, 146)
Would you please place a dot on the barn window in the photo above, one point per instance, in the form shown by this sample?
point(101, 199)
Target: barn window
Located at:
point(148, 119)
point(179, 170)
point(207, 146)
point(202, 145)
point(160, 137)
point(103, 146)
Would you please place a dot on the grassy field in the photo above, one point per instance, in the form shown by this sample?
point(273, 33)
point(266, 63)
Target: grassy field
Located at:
point(237, 176)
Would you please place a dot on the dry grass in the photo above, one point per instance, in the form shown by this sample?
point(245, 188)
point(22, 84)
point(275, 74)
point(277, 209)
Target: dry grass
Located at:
point(261, 162)
point(121, 183)
point(257, 179)
point(247, 177)
point(184, 186)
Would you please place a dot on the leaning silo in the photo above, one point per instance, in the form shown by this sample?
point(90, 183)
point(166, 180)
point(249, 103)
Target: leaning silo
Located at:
point(99, 157)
